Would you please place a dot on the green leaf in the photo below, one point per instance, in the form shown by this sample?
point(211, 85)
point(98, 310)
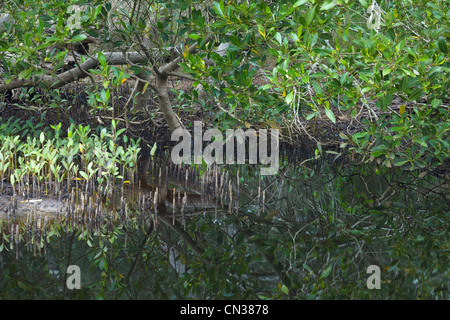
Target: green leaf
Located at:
point(308, 268)
point(381, 147)
point(386, 71)
point(325, 273)
point(78, 38)
point(436, 102)
point(218, 7)
point(363, 3)
point(25, 73)
point(51, 39)
point(310, 15)
point(365, 89)
point(152, 152)
point(443, 45)
point(329, 4)
point(330, 114)
point(311, 115)
point(101, 264)
point(194, 36)
point(394, 129)
point(317, 89)
point(95, 13)
point(84, 175)
point(299, 31)
point(23, 285)
point(436, 33)
point(360, 135)
point(120, 131)
point(400, 163)
point(104, 96)
point(421, 142)
point(290, 97)
point(278, 38)
point(416, 94)
point(285, 289)
point(299, 3)
point(101, 59)
point(401, 45)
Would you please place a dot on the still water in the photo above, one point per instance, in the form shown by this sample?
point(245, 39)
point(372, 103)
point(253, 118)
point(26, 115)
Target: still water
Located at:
point(309, 232)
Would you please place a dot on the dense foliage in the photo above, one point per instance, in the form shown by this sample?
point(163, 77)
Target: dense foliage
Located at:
point(33, 156)
point(314, 59)
point(321, 70)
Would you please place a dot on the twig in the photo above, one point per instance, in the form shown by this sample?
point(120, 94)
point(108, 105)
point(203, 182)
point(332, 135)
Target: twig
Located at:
point(81, 68)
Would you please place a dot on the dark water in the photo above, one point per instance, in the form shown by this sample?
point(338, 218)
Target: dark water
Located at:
point(309, 232)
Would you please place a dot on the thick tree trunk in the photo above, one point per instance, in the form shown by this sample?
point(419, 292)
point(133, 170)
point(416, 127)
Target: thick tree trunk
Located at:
point(113, 58)
point(164, 102)
point(58, 81)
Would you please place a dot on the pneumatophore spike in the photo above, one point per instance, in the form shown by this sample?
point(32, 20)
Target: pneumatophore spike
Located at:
point(230, 206)
point(173, 207)
point(259, 196)
point(183, 205)
point(237, 192)
point(155, 206)
point(263, 200)
point(17, 241)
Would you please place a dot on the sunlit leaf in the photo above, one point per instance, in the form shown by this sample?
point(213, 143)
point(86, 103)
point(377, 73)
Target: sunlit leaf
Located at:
point(290, 97)
point(285, 289)
point(325, 273)
point(329, 4)
point(153, 150)
point(78, 38)
point(299, 3)
point(330, 115)
point(386, 71)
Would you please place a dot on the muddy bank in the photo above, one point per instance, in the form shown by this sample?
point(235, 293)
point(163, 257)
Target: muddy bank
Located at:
point(21, 206)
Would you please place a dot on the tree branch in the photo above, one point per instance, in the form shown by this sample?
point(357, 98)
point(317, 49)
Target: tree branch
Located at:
point(181, 75)
point(76, 73)
point(173, 65)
